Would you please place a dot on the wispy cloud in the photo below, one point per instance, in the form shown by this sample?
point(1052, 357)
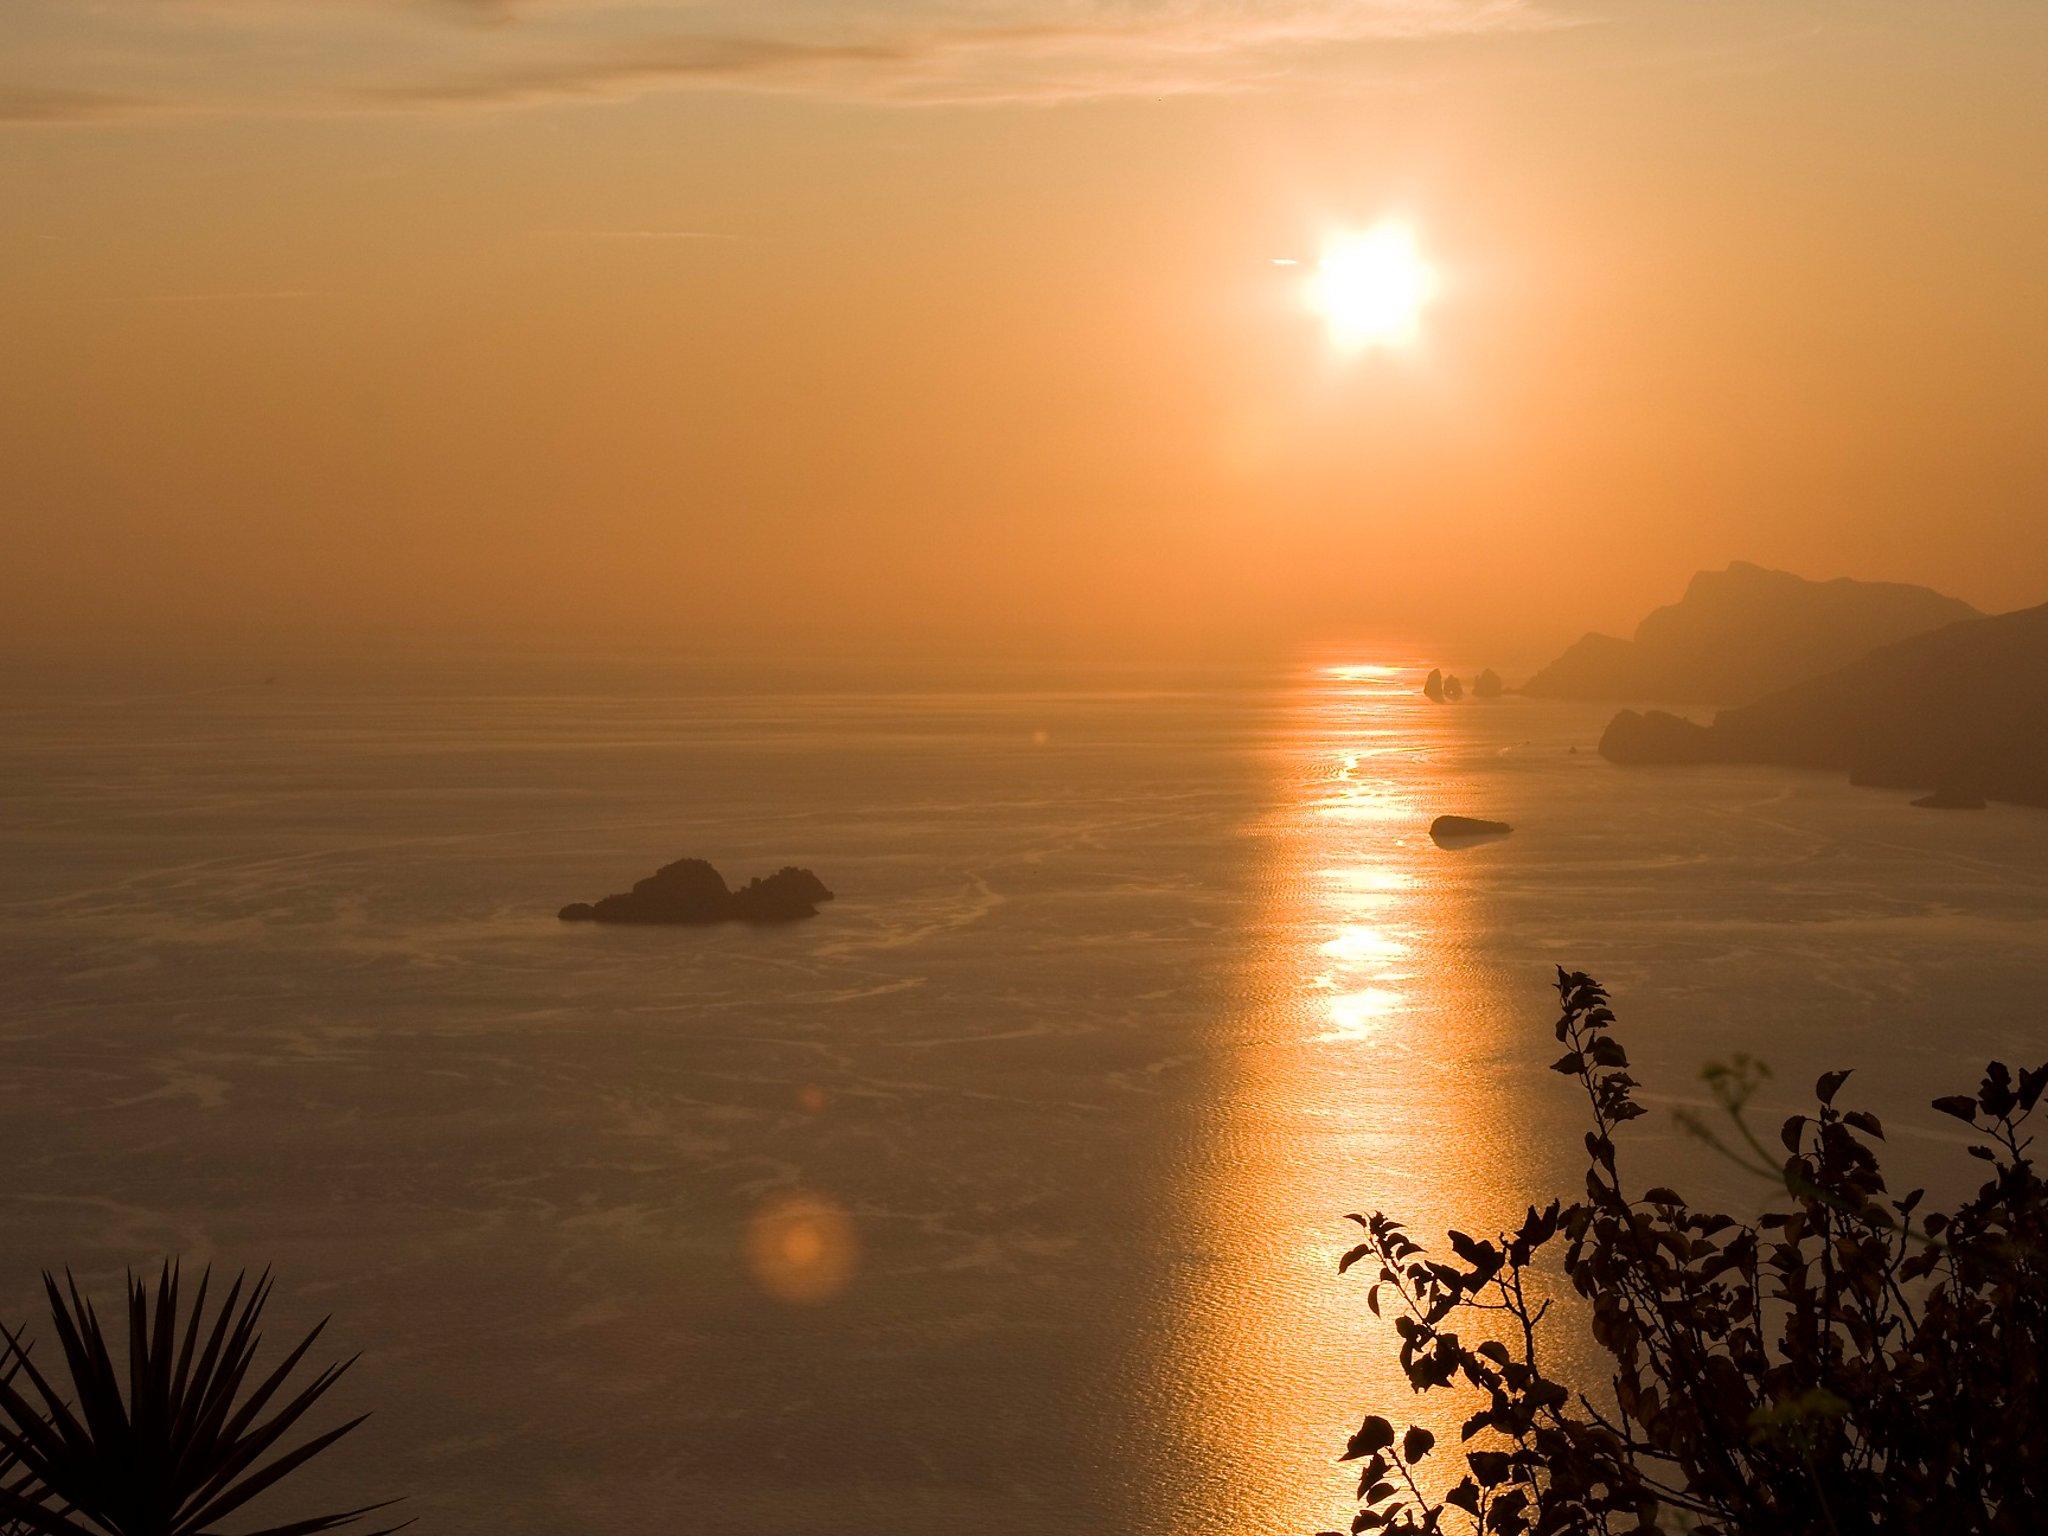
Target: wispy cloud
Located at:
point(646, 65)
point(1078, 51)
point(454, 55)
point(654, 236)
point(38, 104)
point(232, 296)
point(485, 13)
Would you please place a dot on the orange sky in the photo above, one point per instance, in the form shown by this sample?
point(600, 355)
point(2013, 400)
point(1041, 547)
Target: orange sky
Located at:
point(869, 321)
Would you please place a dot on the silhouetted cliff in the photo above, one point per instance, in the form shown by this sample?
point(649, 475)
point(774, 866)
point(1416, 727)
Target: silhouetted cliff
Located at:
point(1740, 633)
point(1962, 710)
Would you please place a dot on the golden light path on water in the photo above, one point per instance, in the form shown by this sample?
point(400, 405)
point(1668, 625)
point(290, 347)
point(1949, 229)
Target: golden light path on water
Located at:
point(1357, 1080)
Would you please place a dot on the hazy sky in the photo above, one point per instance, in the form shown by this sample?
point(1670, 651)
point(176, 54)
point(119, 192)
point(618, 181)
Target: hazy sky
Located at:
point(887, 319)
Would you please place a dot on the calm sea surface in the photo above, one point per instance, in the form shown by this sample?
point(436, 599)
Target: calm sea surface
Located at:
point(1004, 1195)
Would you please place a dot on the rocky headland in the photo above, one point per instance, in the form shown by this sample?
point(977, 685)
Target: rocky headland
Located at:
point(1961, 712)
point(1740, 634)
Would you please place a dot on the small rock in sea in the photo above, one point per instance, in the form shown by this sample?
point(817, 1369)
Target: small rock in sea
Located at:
point(1433, 685)
point(691, 891)
point(1487, 685)
point(1450, 831)
point(1950, 800)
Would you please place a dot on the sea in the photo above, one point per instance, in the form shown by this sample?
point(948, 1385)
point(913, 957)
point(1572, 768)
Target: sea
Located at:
point(1006, 1193)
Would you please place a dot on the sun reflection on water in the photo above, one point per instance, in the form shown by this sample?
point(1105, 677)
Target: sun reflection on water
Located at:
point(1358, 1003)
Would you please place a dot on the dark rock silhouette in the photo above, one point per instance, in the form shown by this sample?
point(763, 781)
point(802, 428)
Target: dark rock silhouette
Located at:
point(1964, 706)
point(1486, 685)
point(1950, 800)
point(691, 891)
point(1453, 689)
point(1655, 737)
point(1456, 831)
point(1738, 634)
point(1433, 685)
point(789, 892)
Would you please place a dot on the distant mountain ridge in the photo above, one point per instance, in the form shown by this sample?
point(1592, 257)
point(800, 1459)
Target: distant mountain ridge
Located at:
point(1740, 633)
point(1963, 709)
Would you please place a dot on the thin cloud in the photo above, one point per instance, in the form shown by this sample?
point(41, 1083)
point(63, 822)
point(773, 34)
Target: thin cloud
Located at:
point(471, 55)
point(233, 296)
point(674, 61)
point(482, 13)
point(1107, 51)
point(629, 235)
point(40, 104)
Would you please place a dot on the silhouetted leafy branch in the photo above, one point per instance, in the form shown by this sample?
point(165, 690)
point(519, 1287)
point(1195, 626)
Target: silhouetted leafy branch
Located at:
point(1825, 1368)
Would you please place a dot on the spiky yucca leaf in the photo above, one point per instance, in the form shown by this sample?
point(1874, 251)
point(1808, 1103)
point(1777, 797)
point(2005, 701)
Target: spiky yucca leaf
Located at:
point(184, 1446)
point(15, 1484)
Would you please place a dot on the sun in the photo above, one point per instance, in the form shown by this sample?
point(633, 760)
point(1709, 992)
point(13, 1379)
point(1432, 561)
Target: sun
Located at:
point(1372, 287)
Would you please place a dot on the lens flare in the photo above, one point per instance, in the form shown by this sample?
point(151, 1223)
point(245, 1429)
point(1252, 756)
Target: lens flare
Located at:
point(800, 1248)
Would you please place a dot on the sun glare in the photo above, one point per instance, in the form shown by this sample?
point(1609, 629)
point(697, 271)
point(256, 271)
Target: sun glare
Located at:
point(1372, 286)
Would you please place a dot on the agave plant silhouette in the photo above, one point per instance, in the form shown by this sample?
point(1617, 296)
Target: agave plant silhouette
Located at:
point(180, 1453)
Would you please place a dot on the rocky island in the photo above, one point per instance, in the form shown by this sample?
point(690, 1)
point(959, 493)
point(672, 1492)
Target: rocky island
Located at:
point(691, 891)
point(1451, 831)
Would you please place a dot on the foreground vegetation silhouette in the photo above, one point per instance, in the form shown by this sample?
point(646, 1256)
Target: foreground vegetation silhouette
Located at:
point(184, 1448)
point(1849, 1363)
